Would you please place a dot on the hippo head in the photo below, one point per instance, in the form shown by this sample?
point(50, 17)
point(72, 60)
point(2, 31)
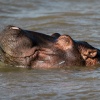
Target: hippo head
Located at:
point(37, 50)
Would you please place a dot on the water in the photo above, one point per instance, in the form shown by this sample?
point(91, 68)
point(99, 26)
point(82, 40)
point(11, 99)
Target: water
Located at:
point(78, 18)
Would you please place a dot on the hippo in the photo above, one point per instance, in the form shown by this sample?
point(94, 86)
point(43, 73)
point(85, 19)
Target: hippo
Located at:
point(31, 49)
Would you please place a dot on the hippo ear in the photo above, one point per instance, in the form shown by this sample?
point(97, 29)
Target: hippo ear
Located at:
point(64, 42)
point(92, 53)
point(89, 53)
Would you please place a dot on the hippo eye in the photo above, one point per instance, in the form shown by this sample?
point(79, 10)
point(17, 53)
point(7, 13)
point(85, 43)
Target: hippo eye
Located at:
point(64, 42)
point(67, 41)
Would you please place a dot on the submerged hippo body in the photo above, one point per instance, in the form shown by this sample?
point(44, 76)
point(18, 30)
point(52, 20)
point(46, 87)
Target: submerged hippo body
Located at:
point(37, 50)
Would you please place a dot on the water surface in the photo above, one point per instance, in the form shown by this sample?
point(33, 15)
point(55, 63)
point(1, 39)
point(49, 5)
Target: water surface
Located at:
point(77, 18)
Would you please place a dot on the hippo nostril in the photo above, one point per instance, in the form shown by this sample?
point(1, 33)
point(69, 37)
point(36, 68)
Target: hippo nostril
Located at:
point(13, 27)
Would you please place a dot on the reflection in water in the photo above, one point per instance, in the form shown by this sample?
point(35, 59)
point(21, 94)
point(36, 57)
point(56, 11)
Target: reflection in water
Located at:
point(78, 18)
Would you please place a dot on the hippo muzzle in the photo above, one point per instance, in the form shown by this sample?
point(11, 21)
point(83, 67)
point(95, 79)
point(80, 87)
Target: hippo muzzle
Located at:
point(16, 46)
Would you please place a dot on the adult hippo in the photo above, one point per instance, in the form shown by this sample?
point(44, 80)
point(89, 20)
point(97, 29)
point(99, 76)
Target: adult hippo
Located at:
point(37, 50)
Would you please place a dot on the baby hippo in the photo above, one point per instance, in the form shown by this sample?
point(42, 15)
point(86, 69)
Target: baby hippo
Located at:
point(37, 50)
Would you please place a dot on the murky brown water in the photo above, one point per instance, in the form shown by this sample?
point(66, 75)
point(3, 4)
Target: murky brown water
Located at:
point(78, 18)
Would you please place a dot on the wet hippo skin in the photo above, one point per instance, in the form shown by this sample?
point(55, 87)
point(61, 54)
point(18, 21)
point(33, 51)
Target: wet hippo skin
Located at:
point(38, 50)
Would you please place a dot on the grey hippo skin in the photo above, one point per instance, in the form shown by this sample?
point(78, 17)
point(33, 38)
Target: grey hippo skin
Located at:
point(38, 50)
